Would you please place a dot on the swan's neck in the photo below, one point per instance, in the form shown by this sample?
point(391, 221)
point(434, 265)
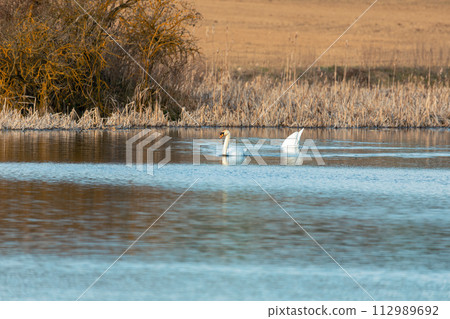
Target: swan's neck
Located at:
point(225, 145)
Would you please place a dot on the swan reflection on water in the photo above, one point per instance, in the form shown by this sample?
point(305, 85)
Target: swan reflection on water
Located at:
point(233, 160)
point(284, 160)
point(291, 160)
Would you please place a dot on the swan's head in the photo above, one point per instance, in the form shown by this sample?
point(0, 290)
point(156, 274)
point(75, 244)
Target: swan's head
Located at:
point(224, 133)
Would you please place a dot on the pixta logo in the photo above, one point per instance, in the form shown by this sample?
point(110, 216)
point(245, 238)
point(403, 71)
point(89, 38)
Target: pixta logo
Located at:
point(147, 143)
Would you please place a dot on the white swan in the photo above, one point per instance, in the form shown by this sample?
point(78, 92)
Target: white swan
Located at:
point(233, 151)
point(292, 143)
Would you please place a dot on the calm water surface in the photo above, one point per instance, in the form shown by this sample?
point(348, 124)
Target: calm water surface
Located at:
point(69, 206)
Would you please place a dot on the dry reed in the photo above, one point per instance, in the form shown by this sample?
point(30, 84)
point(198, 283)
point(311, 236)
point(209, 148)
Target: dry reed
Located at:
point(234, 102)
point(227, 101)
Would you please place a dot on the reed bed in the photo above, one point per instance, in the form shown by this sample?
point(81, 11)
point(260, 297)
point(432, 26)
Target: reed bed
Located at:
point(227, 101)
point(233, 102)
point(14, 119)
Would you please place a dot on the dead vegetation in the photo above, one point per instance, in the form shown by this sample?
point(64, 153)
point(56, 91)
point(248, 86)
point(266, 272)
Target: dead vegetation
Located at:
point(60, 70)
point(322, 103)
point(227, 101)
point(62, 54)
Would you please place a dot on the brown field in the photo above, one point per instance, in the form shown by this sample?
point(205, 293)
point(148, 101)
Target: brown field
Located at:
point(273, 33)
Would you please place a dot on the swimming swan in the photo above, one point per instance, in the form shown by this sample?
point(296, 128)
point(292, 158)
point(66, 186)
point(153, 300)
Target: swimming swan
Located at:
point(234, 151)
point(292, 143)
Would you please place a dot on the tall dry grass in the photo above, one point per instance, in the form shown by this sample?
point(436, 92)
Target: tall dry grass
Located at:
point(128, 117)
point(228, 101)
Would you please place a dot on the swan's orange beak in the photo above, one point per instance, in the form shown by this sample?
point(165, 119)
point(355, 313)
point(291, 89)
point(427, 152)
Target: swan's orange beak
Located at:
point(221, 135)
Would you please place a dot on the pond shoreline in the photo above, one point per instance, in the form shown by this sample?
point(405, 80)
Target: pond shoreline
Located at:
point(115, 129)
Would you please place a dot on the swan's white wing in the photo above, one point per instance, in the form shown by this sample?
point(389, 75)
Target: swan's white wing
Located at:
point(292, 143)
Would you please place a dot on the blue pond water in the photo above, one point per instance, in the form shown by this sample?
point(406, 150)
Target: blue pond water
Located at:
point(378, 208)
